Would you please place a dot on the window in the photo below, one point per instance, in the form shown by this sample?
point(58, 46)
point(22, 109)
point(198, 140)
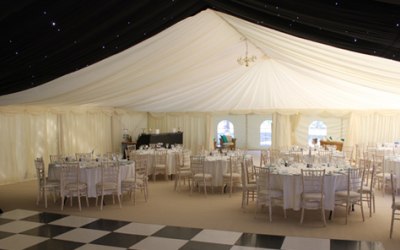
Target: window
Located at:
point(224, 127)
point(317, 129)
point(266, 133)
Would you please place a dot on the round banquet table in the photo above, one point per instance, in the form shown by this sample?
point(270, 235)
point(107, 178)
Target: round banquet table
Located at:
point(289, 180)
point(90, 173)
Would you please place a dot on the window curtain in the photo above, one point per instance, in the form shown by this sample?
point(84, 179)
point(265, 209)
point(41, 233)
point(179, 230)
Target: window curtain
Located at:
point(196, 128)
point(336, 127)
point(25, 136)
point(135, 123)
point(371, 128)
point(30, 132)
point(281, 131)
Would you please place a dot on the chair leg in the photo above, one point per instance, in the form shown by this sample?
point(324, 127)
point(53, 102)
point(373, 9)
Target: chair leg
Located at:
point(146, 193)
point(134, 195)
point(102, 201)
point(373, 201)
point(45, 197)
point(243, 198)
point(79, 201)
point(119, 200)
point(176, 182)
point(38, 196)
point(391, 224)
point(270, 211)
point(62, 202)
point(302, 215)
point(362, 211)
point(323, 215)
point(205, 188)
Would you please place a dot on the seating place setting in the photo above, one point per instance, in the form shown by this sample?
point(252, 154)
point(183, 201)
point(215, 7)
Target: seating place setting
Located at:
point(85, 176)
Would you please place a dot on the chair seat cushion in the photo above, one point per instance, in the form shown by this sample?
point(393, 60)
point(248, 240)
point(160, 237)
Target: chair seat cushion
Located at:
point(52, 184)
point(367, 190)
point(75, 186)
point(234, 175)
point(160, 166)
point(383, 175)
point(343, 194)
point(312, 196)
point(185, 173)
point(128, 180)
point(271, 193)
point(107, 185)
point(200, 176)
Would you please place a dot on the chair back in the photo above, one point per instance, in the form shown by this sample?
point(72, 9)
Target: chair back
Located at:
point(141, 168)
point(324, 156)
point(70, 183)
point(274, 155)
point(339, 159)
point(234, 165)
point(57, 158)
point(263, 179)
point(186, 157)
point(110, 172)
point(308, 159)
point(83, 156)
point(160, 157)
point(264, 158)
point(197, 164)
point(313, 180)
point(69, 175)
point(348, 153)
point(378, 163)
point(40, 171)
point(355, 178)
point(249, 169)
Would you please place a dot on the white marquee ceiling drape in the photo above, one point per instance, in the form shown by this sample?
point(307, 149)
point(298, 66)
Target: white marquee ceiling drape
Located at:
point(192, 67)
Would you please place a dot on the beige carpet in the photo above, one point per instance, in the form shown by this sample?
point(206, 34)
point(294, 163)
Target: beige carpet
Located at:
point(217, 211)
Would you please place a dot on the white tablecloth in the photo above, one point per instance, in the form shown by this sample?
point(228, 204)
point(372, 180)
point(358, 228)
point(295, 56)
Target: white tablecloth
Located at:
point(289, 180)
point(91, 173)
point(170, 159)
point(216, 166)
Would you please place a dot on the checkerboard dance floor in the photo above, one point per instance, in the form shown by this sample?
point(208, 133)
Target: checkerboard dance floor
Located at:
point(25, 229)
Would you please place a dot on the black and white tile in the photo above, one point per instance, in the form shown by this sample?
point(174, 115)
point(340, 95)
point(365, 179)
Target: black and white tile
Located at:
point(25, 229)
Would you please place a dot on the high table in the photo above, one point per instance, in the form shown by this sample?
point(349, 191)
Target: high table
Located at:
point(90, 173)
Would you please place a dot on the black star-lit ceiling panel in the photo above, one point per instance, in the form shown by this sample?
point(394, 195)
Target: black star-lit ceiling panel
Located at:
point(43, 40)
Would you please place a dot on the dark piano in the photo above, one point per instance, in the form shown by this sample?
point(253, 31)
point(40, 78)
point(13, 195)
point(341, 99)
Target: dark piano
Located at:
point(164, 138)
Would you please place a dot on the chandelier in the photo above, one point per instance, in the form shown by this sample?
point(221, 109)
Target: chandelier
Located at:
point(246, 59)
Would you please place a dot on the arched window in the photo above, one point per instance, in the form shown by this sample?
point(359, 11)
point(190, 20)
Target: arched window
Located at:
point(317, 129)
point(224, 127)
point(266, 133)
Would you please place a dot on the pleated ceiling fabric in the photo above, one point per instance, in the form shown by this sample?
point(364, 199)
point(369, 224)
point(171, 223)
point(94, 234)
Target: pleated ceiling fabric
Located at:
point(192, 67)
